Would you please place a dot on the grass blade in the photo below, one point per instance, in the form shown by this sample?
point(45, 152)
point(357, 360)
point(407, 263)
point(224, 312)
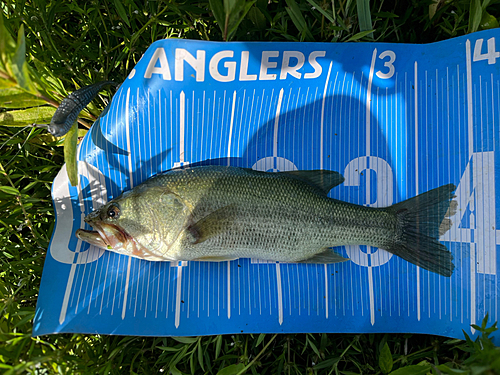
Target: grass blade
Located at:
point(298, 20)
point(70, 154)
point(364, 17)
point(359, 35)
point(9, 190)
point(322, 11)
point(475, 15)
point(23, 117)
point(7, 45)
point(13, 97)
point(412, 370)
point(121, 12)
point(218, 11)
point(236, 17)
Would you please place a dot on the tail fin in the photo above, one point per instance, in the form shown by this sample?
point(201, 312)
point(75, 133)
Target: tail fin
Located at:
point(421, 220)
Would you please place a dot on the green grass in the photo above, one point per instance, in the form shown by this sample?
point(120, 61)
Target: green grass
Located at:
point(74, 43)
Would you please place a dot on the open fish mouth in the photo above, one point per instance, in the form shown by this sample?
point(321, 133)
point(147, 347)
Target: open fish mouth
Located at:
point(111, 237)
point(92, 237)
point(105, 236)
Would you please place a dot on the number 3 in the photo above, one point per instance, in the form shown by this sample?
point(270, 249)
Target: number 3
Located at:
point(388, 64)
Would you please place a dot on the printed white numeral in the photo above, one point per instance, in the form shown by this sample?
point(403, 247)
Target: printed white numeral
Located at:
point(388, 64)
point(491, 55)
point(383, 171)
point(274, 164)
point(478, 203)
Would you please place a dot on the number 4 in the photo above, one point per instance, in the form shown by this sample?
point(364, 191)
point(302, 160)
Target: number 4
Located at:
point(491, 55)
point(479, 198)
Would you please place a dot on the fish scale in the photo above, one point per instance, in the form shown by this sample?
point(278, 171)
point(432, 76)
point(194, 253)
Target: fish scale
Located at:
point(216, 213)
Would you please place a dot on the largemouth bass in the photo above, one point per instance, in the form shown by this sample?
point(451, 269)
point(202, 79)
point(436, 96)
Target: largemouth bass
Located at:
point(215, 213)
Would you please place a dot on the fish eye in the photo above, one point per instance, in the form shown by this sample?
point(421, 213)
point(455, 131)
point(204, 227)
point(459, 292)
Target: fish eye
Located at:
point(113, 212)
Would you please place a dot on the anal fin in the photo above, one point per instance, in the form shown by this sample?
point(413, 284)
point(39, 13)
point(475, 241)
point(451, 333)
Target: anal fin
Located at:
point(221, 258)
point(326, 256)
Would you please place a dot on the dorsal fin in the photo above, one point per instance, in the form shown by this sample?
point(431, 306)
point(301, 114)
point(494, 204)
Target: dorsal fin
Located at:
point(322, 179)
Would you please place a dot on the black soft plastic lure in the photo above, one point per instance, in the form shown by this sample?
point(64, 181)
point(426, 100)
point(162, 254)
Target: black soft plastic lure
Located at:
point(71, 106)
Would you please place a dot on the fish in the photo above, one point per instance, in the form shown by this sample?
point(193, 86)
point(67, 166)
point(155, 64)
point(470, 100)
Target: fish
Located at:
point(71, 106)
point(222, 213)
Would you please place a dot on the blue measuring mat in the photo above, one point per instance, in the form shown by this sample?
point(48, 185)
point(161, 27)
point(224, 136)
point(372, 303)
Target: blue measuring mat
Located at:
point(396, 120)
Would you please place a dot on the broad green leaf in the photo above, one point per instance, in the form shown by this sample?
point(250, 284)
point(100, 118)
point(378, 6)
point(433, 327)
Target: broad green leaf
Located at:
point(364, 17)
point(70, 154)
point(9, 190)
point(257, 18)
point(16, 98)
point(218, 11)
point(7, 45)
point(5, 83)
point(229, 14)
point(19, 64)
point(19, 58)
point(261, 338)
point(238, 17)
point(231, 369)
point(488, 21)
point(121, 11)
point(233, 6)
point(433, 7)
point(298, 20)
point(412, 370)
point(475, 15)
point(385, 359)
point(24, 117)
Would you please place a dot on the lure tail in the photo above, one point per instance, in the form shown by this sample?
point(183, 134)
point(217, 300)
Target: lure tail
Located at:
point(71, 106)
point(421, 220)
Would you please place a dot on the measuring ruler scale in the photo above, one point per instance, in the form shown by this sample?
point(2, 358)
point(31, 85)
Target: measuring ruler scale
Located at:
point(396, 120)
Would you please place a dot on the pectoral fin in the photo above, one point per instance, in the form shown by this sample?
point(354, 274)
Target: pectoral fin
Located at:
point(216, 223)
point(327, 256)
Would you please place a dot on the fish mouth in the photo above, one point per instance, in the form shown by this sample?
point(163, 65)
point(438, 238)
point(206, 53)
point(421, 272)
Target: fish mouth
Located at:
point(105, 236)
point(92, 237)
point(112, 237)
